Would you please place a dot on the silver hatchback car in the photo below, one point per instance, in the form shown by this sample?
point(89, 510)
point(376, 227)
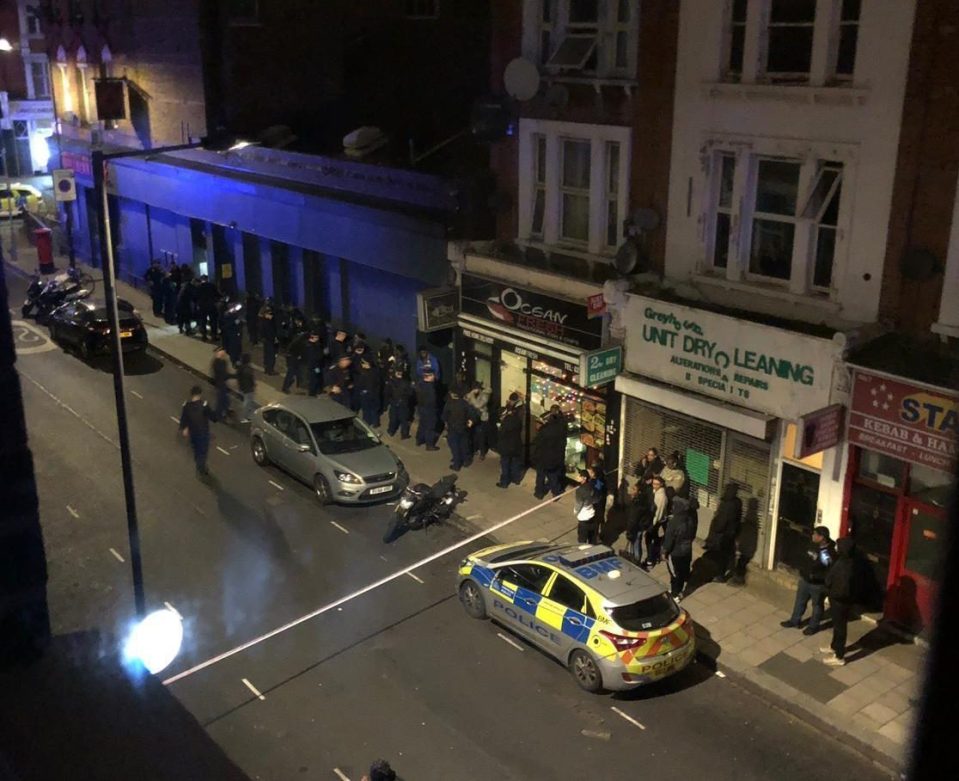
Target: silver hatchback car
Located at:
point(326, 446)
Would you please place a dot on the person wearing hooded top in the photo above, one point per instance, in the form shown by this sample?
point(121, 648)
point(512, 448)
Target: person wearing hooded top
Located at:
point(721, 539)
point(427, 362)
point(399, 401)
point(841, 587)
point(812, 581)
point(360, 354)
point(678, 545)
point(339, 381)
point(267, 320)
point(549, 454)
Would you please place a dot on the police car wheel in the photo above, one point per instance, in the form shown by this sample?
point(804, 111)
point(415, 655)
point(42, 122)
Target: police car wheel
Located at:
point(259, 452)
point(585, 671)
point(322, 490)
point(472, 599)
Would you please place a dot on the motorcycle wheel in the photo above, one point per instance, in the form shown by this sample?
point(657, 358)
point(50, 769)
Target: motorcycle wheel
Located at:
point(26, 309)
point(393, 527)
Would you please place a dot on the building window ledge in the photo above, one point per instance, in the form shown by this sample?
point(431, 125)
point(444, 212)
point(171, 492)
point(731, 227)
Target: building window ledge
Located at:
point(944, 329)
point(596, 82)
point(563, 249)
point(769, 292)
point(796, 94)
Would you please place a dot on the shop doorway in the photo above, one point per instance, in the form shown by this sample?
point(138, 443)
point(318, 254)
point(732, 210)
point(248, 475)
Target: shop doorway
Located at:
point(512, 376)
point(798, 496)
point(923, 535)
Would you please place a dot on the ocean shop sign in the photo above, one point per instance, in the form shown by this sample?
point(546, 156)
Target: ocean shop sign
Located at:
point(760, 367)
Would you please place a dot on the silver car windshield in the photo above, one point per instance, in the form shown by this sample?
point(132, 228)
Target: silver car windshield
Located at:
point(347, 435)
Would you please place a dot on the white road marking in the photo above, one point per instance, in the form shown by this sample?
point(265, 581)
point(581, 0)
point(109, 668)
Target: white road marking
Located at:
point(335, 604)
point(474, 517)
point(233, 447)
point(341, 528)
point(341, 775)
point(418, 580)
point(175, 420)
point(511, 641)
point(253, 688)
point(720, 674)
point(116, 555)
point(224, 452)
point(136, 394)
point(277, 486)
point(72, 512)
point(172, 609)
point(626, 716)
point(588, 733)
point(384, 558)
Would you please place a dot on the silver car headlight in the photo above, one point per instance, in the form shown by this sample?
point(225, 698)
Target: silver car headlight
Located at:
point(347, 477)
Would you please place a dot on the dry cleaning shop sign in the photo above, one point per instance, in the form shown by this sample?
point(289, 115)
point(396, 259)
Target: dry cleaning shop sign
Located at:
point(764, 368)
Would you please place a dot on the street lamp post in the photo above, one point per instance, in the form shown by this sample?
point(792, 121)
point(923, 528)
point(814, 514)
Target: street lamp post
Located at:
point(99, 160)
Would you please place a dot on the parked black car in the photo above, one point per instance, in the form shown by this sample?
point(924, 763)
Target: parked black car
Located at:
point(84, 325)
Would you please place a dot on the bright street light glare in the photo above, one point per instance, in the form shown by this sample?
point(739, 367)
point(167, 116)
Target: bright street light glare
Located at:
point(155, 641)
point(5, 45)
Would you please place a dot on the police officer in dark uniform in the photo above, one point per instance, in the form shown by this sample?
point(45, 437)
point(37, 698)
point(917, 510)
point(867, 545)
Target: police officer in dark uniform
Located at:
point(252, 306)
point(368, 388)
point(195, 420)
point(267, 320)
point(232, 332)
point(184, 308)
point(154, 278)
point(399, 400)
point(426, 402)
point(170, 291)
point(313, 359)
point(206, 299)
point(339, 381)
point(295, 358)
point(340, 345)
point(456, 416)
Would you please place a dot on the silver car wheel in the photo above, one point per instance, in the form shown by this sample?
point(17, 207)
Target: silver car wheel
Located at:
point(472, 600)
point(259, 452)
point(322, 490)
point(585, 671)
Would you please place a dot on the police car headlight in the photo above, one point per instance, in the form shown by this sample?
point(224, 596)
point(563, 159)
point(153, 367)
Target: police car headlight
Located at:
point(346, 477)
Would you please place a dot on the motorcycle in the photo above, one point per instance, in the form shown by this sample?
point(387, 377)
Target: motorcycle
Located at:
point(45, 295)
point(422, 505)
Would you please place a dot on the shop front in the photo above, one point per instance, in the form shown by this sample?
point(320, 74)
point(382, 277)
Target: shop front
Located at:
point(728, 397)
point(517, 340)
point(902, 459)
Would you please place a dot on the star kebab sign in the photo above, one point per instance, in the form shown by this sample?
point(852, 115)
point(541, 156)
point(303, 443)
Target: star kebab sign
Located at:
point(912, 423)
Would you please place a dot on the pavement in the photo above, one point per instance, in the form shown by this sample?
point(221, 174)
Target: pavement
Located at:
point(269, 544)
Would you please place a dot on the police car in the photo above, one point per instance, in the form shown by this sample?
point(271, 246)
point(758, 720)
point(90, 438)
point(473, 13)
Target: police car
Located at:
point(610, 623)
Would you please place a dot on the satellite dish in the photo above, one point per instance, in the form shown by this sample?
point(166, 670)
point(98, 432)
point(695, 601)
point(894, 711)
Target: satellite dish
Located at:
point(521, 79)
point(557, 96)
point(627, 258)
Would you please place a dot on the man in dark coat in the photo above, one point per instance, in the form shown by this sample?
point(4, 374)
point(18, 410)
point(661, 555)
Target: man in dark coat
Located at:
point(368, 386)
point(812, 581)
point(232, 332)
point(185, 303)
point(246, 383)
point(510, 442)
point(841, 588)
point(170, 291)
point(339, 381)
point(154, 279)
point(721, 539)
point(295, 358)
point(314, 360)
point(426, 403)
point(267, 320)
point(399, 401)
point(359, 353)
point(340, 345)
point(549, 454)
point(253, 305)
point(456, 416)
point(639, 520)
point(678, 545)
point(195, 420)
point(207, 297)
point(221, 373)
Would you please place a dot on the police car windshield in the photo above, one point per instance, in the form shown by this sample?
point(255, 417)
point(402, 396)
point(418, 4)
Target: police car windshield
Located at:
point(652, 613)
point(347, 435)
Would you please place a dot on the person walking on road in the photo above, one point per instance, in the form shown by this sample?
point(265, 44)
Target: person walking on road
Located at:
point(478, 399)
point(456, 416)
point(399, 400)
point(267, 320)
point(584, 510)
point(721, 540)
point(678, 545)
point(195, 420)
point(842, 585)
point(549, 454)
point(426, 403)
point(812, 581)
point(221, 373)
point(510, 442)
point(246, 382)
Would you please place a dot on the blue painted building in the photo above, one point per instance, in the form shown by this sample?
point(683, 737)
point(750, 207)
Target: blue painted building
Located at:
point(351, 242)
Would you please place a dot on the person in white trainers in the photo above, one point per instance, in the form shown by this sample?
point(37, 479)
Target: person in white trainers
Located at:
point(841, 590)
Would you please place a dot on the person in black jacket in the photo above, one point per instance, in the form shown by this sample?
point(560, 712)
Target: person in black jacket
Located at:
point(510, 442)
point(252, 309)
point(154, 278)
point(399, 400)
point(584, 509)
point(339, 381)
point(678, 545)
point(549, 454)
point(639, 520)
point(313, 360)
point(340, 345)
point(721, 539)
point(295, 358)
point(246, 382)
point(170, 291)
point(220, 371)
point(207, 297)
point(426, 402)
point(195, 420)
point(368, 387)
point(267, 320)
point(812, 581)
point(184, 308)
point(456, 416)
point(841, 587)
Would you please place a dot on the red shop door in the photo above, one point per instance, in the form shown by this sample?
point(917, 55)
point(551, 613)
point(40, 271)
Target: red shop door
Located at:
point(921, 535)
